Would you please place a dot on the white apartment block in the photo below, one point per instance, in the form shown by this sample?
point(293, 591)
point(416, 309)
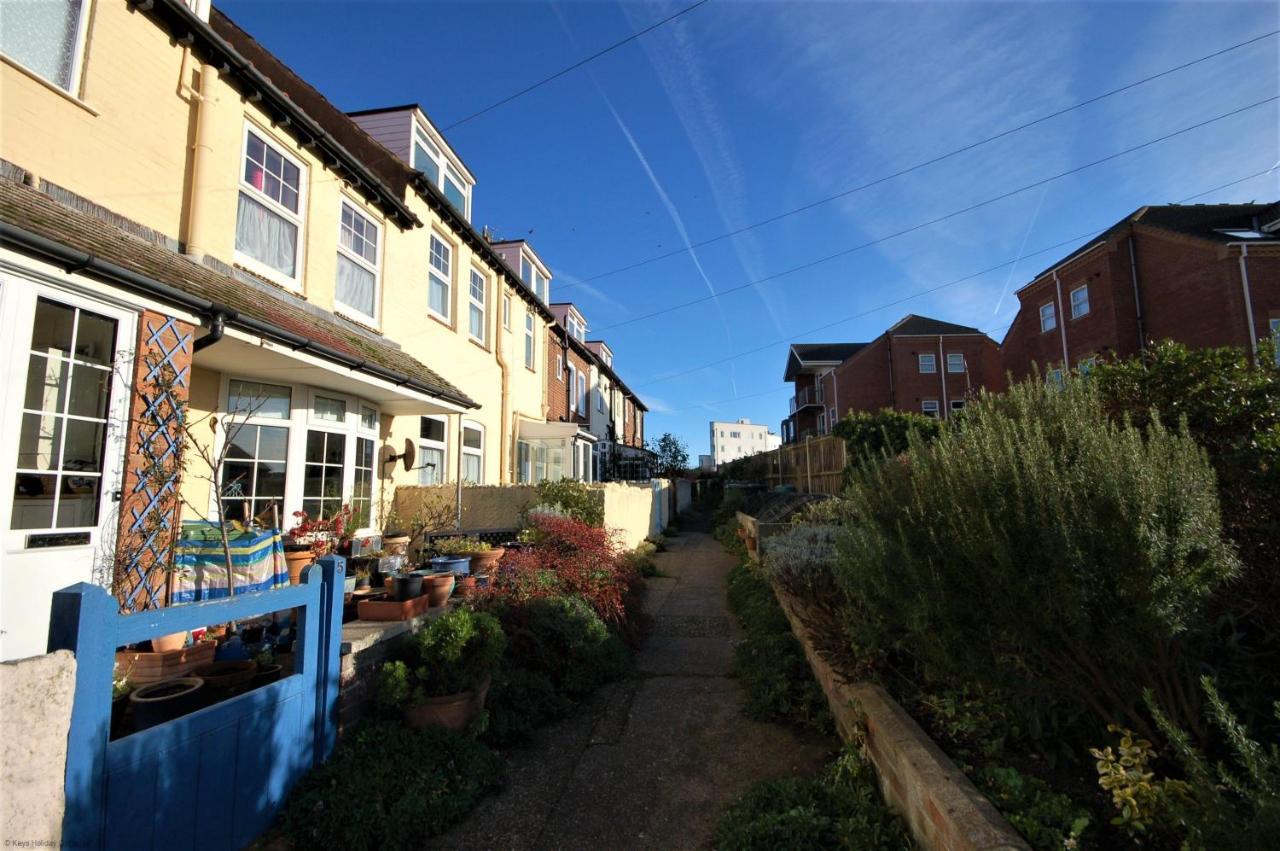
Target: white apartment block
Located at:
point(733, 440)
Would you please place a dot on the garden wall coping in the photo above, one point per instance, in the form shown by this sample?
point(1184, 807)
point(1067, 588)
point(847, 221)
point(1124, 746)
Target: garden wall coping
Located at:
point(941, 806)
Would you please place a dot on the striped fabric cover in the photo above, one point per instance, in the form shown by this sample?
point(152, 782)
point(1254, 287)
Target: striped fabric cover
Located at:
point(257, 558)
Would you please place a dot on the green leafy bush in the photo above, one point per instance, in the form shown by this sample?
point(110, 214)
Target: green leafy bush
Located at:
point(1039, 551)
point(841, 809)
point(1231, 803)
point(572, 498)
point(519, 703)
point(802, 561)
point(1049, 820)
point(775, 675)
point(388, 787)
point(454, 653)
point(885, 432)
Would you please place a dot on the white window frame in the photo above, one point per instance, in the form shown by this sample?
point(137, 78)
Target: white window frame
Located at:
point(302, 419)
point(298, 219)
point(443, 167)
point(78, 52)
point(582, 394)
point(929, 407)
point(1076, 314)
point(482, 304)
point(927, 358)
point(560, 367)
point(955, 362)
point(506, 311)
point(957, 404)
point(831, 417)
point(375, 268)
point(434, 273)
point(466, 451)
point(1051, 322)
point(530, 342)
point(600, 398)
point(442, 472)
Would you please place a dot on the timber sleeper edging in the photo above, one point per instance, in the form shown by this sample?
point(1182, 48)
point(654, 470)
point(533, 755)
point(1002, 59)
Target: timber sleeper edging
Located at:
point(941, 806)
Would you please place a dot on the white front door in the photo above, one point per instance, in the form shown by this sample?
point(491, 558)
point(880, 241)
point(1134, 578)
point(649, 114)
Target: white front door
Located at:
point(66, 377)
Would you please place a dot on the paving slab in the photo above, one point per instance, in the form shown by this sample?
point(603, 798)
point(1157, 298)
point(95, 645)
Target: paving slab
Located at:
point(649, 762)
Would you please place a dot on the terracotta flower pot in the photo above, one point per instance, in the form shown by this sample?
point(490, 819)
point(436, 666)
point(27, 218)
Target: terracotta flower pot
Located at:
point(438, 587)
point(464, 586)
point(297, 560)
point(172, 641)
point(483, 563)
point(396, 545)
point(224, 679)
point(453, 711)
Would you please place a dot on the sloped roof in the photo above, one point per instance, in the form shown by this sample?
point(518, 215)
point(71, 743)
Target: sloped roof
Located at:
point(24, 209)
point(801, 355)
point(911, 324)
point(1201, 221)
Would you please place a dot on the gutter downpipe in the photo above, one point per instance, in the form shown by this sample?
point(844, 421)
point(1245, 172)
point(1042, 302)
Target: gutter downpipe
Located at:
point(457, 520)
point(201, 150)
point(1062, 324)
point(217, 327)
point(942, 374)
point(1137, 296)
point(1248, 299)
point(504, 472)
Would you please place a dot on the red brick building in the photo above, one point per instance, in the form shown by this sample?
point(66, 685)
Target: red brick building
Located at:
point(920, 365)
point(1203, 275)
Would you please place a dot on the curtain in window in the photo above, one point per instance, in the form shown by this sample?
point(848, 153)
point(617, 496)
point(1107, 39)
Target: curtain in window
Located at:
point(471, 468)
point(266, 236)
point(355, 285)
point(438, 295)
point(428, 475)
point(41, 35)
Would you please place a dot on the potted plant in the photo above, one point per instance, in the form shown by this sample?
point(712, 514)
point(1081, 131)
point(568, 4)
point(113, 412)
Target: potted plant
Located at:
point(405, 586)
point(443, 673)
point(166, 643)
point(268, 671)
point(484, 557)
point(156, 703)
point(454, 554)
point(309, 539)
point(362, 578)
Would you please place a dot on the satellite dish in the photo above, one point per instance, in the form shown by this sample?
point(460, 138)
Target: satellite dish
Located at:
point(408, 457)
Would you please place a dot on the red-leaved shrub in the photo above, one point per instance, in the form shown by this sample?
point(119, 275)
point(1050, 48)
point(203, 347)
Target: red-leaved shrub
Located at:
point(570, 558)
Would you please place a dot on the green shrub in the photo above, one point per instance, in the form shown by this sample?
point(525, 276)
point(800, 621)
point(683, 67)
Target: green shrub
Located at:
point(1039, 551)
point(841, 809)
point(571, 498)
point(802, 560)
point(776, 678)
point(885, 432)
point(519, 703)
point(1232, 803)
point(454, 653)
point(563, 639)
point(1049, 820)
point(389, 787)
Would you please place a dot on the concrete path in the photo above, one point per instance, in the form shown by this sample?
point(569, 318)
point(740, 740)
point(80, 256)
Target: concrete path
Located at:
point(649, 762)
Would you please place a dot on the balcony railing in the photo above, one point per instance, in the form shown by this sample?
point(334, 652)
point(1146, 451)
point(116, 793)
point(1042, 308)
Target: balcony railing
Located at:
point(804, 399)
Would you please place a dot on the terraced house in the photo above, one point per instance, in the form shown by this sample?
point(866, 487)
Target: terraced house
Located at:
point(312, 276)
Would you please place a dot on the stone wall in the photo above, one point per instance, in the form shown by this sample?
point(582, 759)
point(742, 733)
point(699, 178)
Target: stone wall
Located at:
point(35, 716)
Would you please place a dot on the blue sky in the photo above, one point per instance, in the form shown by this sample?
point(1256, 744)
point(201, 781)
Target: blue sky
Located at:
point(738, 111)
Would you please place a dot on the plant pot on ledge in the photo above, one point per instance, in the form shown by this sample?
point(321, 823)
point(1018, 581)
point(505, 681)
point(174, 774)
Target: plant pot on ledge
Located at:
point(483, 563)
point(297, 558)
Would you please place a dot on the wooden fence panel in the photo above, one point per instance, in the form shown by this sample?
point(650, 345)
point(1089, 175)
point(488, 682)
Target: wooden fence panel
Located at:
point(815, 466)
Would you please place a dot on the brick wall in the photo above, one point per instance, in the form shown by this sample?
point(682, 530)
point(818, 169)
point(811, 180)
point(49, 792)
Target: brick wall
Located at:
point(862, 382)
point(912, 387)
point(1190, 292)
point(558, 394)
point(150, 510)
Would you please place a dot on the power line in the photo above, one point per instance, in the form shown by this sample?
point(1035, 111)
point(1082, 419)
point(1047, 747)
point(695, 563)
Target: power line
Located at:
point(686, 10)
point(908, 170)
point(828, 258)
point(924, 292)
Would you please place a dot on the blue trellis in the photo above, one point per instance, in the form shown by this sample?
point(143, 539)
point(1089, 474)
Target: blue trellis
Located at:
point(159, 464)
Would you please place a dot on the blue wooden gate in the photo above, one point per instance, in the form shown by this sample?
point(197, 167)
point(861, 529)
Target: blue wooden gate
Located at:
point(214, 778)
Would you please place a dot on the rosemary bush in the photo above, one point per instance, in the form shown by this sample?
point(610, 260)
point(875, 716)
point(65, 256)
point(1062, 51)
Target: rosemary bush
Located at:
point(1040, 550)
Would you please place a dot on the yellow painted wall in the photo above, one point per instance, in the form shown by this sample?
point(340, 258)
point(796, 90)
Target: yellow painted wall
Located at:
point(132, 157)
point(201, 404)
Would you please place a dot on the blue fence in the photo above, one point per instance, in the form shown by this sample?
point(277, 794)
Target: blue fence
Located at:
point(214, 778)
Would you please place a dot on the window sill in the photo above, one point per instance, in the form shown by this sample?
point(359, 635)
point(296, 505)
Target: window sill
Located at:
point(365, 322)
point(60, 92)
point(443, 320)
point(263, 273)
point(480, 344)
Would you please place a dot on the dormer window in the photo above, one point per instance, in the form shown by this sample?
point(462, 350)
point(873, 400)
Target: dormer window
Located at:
point(432, 162)
point(533, 278)
point(607, 358)
point(576, 328)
